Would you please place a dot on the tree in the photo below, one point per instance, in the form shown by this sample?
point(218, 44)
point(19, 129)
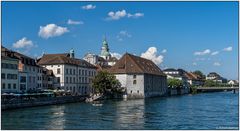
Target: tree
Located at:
point(199, 73)
point(174, 82)
point(210, 83)
point(106, 83)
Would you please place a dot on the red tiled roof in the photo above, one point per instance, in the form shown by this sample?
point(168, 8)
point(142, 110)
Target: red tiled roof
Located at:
point(135, 64)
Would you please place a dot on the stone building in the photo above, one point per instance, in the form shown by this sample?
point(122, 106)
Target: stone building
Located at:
point(72, 74)
point(139, 76)
point(216, 77)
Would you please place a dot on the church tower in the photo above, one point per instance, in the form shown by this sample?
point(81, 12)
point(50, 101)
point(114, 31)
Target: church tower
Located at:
point(105, 50)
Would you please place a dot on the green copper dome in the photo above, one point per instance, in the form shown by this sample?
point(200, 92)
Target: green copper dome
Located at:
point(105, 50)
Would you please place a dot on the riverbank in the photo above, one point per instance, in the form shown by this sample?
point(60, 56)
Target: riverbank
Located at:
point(15, 104)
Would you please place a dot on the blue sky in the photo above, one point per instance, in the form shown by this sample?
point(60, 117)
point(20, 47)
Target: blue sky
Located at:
point(188, 35)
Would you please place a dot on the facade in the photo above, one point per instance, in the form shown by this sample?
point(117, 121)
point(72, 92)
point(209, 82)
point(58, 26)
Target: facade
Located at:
point(104, 59)
point(216, 77)
point(194, 79)
point(27, 71)
point(72, 74)
point(9, 74)
point(140, 77)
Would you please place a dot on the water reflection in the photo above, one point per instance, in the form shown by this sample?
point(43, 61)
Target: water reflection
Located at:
point(130, 114)
point(57, 118)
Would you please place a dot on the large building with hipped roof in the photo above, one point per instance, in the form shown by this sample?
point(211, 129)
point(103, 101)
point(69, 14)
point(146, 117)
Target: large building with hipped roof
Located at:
point(139, 76)
point(73, 74)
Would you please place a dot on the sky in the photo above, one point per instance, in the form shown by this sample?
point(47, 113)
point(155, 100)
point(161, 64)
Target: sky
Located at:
point(188, 35)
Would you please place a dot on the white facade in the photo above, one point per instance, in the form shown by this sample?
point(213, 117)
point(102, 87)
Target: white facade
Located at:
point(142, 85)
point(77, 79)
point(9, 75)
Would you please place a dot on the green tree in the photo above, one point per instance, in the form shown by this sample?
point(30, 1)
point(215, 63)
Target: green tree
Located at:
point(198, 72)
point(210, 83)
point(174, 82)
point(106, 83)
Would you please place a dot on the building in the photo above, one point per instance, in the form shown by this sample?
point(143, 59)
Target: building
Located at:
point(139, 76)
point(27, 71)
point(233, 82)
point(194, 79)
point(104, 59)
point(71, 73)
point(216, 77)
point(9, 72)
point(177, 74)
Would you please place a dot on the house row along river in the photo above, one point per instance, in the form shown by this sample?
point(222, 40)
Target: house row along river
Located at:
point(218, 110)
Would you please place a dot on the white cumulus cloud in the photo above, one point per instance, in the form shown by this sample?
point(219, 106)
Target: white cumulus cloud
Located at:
point(216, 64)
point(117, 55)
point(205, 52)
point(89, 7)
point(51, 30)
point(23, 43)
point(151, 54)
point(72, 22)
point(194, 63)
point(228, 48)
point(215, 53)
point(164, 51)
point(121, 14)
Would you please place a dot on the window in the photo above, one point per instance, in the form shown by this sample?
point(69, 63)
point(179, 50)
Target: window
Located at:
point(58, 79)
point(80, 72)
point(70, 79)
point(3, 85)
point(73, 79)
point(73, 71)
point(66, 71)
point(58, 71)
point(14, 86)
point(23, 79)
point(70, 71)
point(138, 91)
point(134, 82)
point(66, 79)
point(3, 76)
point(134, 76)
point(9, 86)
point(131, 91)
point(85, 72)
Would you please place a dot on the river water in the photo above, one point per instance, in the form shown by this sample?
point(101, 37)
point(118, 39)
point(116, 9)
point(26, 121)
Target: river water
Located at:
point(201, 111)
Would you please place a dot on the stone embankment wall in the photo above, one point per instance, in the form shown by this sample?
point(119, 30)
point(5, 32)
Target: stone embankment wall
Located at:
point(14, 104)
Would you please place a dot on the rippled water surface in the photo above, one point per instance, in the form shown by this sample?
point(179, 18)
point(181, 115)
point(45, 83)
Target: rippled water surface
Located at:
point(201, 111)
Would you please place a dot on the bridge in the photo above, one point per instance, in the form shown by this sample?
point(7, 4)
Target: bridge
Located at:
point(216, 89)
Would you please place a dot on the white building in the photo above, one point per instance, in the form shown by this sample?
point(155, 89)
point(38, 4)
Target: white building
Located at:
point(9, 74)
point(140, 77)
point(72, 74)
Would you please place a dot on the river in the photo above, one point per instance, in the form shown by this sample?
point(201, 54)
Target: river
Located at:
point(201, 111)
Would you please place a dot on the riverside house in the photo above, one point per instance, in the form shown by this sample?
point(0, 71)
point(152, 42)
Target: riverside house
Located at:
point(139, 76)
point(73, 74)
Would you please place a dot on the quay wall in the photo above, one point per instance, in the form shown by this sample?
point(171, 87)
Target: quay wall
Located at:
point(14, 104)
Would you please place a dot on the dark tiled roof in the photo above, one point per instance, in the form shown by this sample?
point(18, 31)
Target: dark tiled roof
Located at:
point(23, 58)
point(170, 69)
point(50, 59)
point(134, 64)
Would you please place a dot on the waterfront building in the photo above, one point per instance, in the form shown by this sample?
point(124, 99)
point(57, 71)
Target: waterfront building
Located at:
point(177, 74)
point(9, 72)
point(233, 82)
point(104, 59)
point(194, 79)
point(216, 77)
point(72, 74)
point(139, 76)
